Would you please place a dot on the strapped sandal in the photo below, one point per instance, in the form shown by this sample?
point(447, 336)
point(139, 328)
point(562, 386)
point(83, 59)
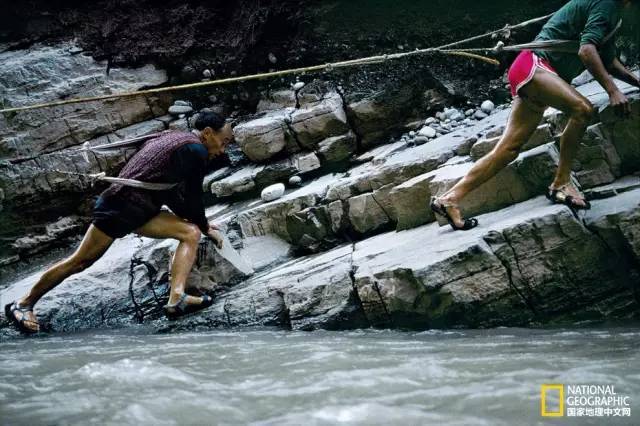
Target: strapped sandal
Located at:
point(13, 307)
point(559, 196)
point(440, 209)
point(183, 308)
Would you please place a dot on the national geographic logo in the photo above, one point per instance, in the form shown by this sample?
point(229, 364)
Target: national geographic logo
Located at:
point(558, 400)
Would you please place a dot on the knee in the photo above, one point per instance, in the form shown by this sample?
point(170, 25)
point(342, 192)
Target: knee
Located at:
point(583, 112)
point(191, 234)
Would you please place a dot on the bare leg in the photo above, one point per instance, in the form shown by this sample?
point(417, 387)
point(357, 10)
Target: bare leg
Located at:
point(168, 225)
point(94, 244)
point(523, 121)
point(545, 89)
point(549, 89)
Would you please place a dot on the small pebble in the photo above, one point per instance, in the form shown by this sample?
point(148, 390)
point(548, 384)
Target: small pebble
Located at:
point(487, 107)
point(272, 192)
point(182, 103)
point(469, 112)
point(206, 74)
point(458, 116)
point(295, 180)
point(421, 140)
point(480, 115)
point(430, 120)
point(427, 131)
point(449, 113)
point(272, 58)
point(299, 85)
point(179, 109)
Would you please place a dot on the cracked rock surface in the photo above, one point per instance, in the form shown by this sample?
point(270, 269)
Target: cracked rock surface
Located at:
point(355, 245)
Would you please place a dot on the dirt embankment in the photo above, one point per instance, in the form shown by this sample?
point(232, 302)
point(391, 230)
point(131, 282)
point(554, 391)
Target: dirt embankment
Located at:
point(234, 38)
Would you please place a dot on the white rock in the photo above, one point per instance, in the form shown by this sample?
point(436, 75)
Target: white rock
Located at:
point(487, 107)
point(450, 113)
point(181, 103)
point(206, 74)
point(430, 120)
point(427, 131)
point(458, 116)
point(421, 140)
point(272, 58)
point(273, 192)
point(480, 115)
point(440, 116)
point(469, 112)
point(299, 85)
point(295, 180)
point(179, 109)
point(307, 162)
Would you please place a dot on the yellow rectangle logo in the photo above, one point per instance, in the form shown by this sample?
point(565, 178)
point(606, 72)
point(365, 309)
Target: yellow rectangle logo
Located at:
point(544, 412)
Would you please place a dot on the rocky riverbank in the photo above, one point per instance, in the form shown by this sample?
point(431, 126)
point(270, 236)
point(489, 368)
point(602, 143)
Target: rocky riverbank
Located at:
point(351, 242)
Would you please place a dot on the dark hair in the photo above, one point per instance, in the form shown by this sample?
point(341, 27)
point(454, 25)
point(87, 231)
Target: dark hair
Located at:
point(209, 119)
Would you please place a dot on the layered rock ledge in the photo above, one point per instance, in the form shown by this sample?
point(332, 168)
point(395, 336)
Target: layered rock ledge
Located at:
point(355, 245)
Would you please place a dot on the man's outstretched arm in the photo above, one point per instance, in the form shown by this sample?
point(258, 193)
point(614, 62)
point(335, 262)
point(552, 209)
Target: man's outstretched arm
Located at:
point(619, 71)
point(591, 59)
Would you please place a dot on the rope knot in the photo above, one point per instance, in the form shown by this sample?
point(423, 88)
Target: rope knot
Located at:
point(499, 47)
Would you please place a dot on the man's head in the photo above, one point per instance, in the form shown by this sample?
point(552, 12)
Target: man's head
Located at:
point(215, 133)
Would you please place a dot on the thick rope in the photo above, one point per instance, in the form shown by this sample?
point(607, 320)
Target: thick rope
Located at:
point(445, 49)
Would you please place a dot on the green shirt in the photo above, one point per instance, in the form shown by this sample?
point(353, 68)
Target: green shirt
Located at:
point(589, 21)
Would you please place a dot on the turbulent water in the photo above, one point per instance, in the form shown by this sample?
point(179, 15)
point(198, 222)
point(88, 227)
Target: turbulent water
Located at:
point(276, 377)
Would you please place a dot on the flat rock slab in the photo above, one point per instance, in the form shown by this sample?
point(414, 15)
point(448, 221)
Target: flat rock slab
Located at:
point(532, 262)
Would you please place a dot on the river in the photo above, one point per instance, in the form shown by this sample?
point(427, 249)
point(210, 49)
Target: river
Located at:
point(268, 377)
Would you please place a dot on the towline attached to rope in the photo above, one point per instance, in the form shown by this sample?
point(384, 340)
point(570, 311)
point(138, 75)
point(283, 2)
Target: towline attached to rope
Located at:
point(445, 49)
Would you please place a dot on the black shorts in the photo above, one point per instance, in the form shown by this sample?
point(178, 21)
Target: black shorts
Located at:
point(117, 217)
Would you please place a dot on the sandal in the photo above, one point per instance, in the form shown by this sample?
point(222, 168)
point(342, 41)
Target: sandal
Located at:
point(440, 209)
point(13, 307)
point(559, 196)
point(183, 308)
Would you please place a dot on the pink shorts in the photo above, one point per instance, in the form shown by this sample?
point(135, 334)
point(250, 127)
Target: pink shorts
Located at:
point(523, 69)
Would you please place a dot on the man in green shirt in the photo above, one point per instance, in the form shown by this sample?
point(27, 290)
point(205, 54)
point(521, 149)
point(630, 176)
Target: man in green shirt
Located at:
point(542, 79)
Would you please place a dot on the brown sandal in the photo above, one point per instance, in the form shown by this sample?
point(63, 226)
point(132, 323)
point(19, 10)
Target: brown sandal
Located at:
point(440, 209)
point(182, 308)
point(559, 196)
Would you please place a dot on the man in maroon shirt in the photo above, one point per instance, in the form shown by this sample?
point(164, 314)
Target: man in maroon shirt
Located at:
point(173, 157)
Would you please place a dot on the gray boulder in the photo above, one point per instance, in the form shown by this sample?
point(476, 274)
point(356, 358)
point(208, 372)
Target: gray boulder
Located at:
point(262, 138)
